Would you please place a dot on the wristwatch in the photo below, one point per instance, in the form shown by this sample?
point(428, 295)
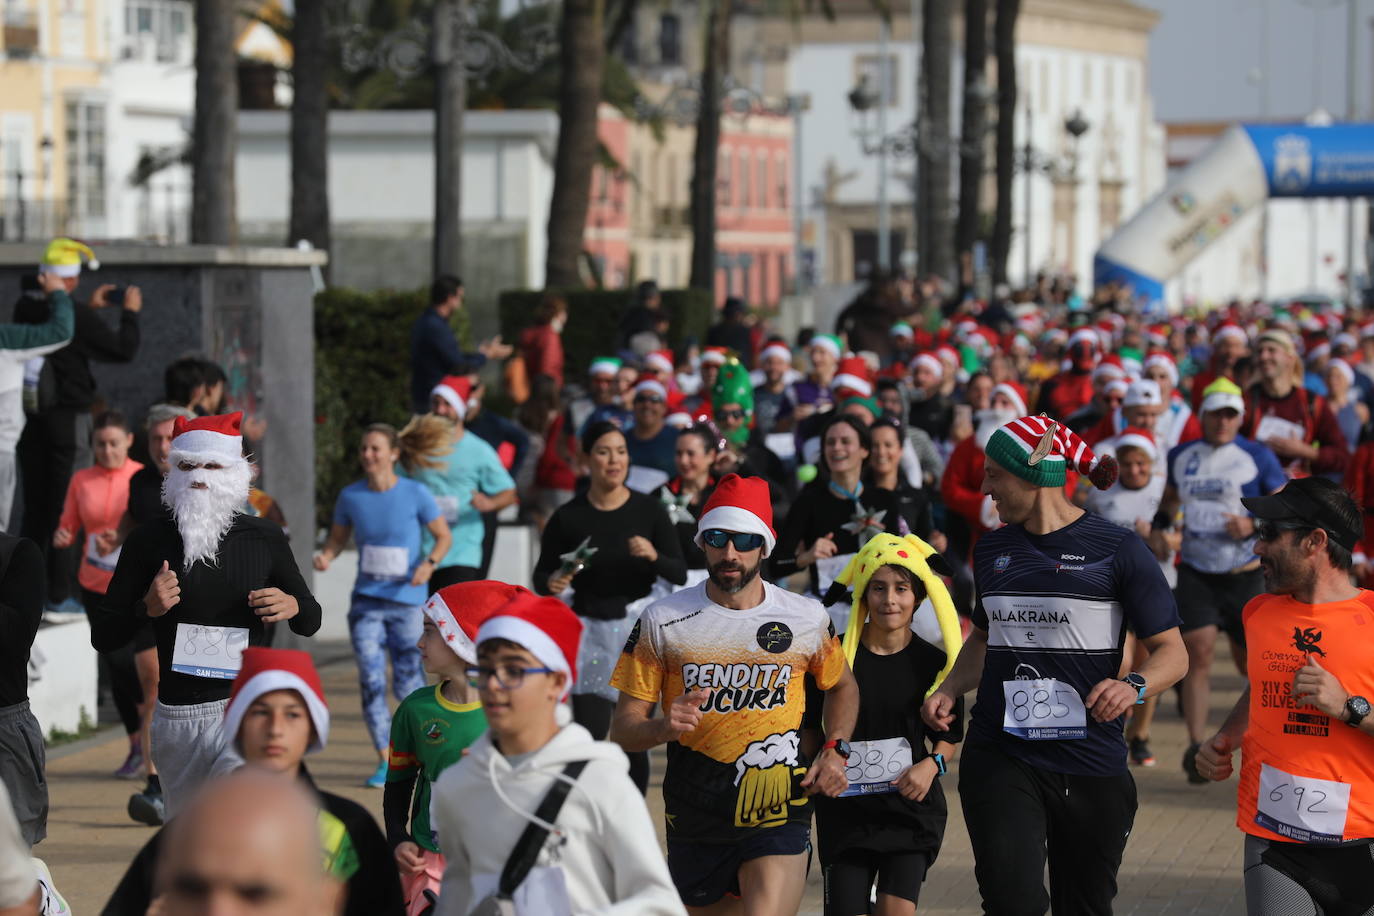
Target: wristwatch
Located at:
point(1357, 708)
point(941, 769)
point(1138, 683)
point(839, 746)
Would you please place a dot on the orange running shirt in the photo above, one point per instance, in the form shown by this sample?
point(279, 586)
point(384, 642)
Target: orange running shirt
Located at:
point(740, 769)
point(1306, 777)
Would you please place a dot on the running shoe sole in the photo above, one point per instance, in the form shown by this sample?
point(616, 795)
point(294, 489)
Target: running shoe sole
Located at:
point(147, 809)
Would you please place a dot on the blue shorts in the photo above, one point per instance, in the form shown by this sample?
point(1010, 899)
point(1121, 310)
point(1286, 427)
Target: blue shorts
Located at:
point(703, 873)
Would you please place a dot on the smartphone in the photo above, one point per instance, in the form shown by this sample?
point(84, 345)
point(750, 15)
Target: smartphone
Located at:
point(116, 296)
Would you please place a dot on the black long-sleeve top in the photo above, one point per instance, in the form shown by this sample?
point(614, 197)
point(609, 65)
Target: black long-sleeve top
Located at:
point(818, 511)
point(22, 589)
point(612, 578)
point(92, 339)
point(253, 554)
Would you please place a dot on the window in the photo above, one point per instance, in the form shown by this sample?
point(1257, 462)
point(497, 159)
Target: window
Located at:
point(780, 171)
point(85, 158)
point(761, 182)
point(1087, 79)
point(165, 23)
point(724, 164)
point(868, 67)
point(669, 40)
point(1110, 74)
point(745, 189)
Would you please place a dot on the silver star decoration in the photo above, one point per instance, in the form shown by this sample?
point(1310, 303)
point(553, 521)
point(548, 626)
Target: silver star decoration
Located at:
point(866, 523)
point(678, 513)
point(575, 560)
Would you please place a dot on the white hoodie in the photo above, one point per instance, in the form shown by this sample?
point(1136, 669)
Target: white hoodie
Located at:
point(605, 845)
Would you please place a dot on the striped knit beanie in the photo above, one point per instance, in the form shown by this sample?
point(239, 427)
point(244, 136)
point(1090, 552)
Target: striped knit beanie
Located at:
point(1040, 450)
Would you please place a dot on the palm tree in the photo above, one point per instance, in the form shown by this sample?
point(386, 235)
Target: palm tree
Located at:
point(310, 69)
point(581, 36)
point(937, 247)
point(214, 133)
point(974, 124)
point(1005, 40)
point(705, 153)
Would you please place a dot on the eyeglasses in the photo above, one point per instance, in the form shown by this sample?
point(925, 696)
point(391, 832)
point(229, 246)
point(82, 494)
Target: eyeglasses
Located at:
point(1271, 531)
point(730, 414)
point(648, 399)
point(743, 540)
point(508, 676)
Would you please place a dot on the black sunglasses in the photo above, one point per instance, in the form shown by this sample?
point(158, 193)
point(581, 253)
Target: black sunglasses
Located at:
point(1268, 530)
point(730, 414)
point(648, 399)
point(744, 541)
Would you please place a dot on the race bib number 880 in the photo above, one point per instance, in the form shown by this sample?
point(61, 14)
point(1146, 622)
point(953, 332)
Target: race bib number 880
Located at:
point(1043, 710)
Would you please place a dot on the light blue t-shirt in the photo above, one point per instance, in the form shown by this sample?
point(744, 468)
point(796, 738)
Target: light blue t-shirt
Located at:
point(1211, 480)
point(386, 527)
point(472, 465)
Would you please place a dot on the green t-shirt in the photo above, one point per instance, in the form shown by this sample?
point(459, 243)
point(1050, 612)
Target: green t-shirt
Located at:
point(428, 734)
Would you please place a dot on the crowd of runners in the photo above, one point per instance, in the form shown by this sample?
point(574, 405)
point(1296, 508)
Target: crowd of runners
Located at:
point(951, 540)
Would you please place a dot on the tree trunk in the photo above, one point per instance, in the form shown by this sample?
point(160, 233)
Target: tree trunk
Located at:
point(974, 126)
point(215, 128)
point(706, 152)
point(309, 126)
point(450, 99)
point(579, 93)
point(937, 64)
point(1005, 38)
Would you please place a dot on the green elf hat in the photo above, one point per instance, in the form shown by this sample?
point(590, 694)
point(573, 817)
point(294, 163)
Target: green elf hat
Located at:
point(1041, 450)
point(604, 365)
point(63, 258)
point(916, 555)
point(829, 342)
point(734, 387)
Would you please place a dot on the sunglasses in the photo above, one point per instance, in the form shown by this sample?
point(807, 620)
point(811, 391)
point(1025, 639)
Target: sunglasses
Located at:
point(1268, 530)
point(730, 414)
point(744, 541)
point(648, 399)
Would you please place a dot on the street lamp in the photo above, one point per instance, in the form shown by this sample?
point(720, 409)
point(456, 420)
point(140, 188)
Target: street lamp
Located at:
point(1031, 160)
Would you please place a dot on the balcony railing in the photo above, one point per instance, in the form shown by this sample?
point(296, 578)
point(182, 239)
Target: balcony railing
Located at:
point(19, 32)
point(32, 220)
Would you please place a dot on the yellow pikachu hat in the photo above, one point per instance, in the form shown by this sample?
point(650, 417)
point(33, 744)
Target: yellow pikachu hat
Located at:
point(914, 554)
point(64, 257)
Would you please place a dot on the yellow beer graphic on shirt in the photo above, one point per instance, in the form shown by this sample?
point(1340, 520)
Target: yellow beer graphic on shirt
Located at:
point(763, 775)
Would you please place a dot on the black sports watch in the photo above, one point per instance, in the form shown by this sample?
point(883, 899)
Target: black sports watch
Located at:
point(839, 746)
point(1357, 708)
point(1138, 683)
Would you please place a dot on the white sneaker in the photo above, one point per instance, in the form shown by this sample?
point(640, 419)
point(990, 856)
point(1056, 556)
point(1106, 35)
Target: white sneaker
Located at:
point(50, 902)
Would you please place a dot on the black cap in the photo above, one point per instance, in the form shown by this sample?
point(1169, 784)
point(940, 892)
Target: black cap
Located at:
point(1298, 501)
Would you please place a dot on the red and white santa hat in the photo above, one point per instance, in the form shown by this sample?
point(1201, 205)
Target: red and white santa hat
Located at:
point(1165, 361)
point(1109, 368)
point(780, 350)
point(1014, 392)
point(458, 611)
point(454, 389)
point(265, 670)
point(1135, 437)
point(203, 440)
point(741, 504)
point(648, 384)
point(660, 361)
point(930, 362)
point(1232, 330)
point(853, 375)
point(714, 356)
point(543, 626)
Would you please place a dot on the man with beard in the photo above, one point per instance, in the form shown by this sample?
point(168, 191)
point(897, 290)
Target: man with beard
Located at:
point(727, 659)
point(1306, 794)
point(210, 579)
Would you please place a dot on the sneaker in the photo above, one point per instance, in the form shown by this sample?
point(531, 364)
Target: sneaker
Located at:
point(50, 902)
point(132, 767)
point(148, 808)
point(1141, 755)
point(378, 779)
point(1190, 765)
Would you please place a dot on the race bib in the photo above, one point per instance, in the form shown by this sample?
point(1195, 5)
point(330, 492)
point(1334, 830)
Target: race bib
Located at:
point(1302, 808)
point(385, 562)
point(448, 507)
point(1204, 517)
point(1272, 427)
point(873, 765)
point(1043, 710)
point(206, 651)
point(643, 479)
point(829, 568)
point(106, 562)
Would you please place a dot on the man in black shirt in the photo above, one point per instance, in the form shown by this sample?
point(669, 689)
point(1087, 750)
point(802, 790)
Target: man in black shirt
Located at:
point(145, 487)
point(210, 579)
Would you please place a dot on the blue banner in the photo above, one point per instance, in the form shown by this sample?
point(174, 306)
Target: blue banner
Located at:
point(1303, 161)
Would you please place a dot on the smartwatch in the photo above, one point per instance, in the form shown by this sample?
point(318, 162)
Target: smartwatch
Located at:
point(1138, 683)
point(1357, 708)
point(840, 746)
point(940, 764)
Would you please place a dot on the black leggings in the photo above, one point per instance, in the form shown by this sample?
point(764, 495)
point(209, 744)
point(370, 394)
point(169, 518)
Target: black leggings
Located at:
point(594, 714)
point(120, 671)
point(1018, 815)
point(849, 879)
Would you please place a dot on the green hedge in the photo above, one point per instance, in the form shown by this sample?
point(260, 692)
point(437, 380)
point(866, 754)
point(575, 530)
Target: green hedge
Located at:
point(594, 320)
point(362, 376)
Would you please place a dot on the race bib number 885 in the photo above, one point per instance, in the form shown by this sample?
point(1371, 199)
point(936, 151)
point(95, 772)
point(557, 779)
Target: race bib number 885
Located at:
point(1043, 710)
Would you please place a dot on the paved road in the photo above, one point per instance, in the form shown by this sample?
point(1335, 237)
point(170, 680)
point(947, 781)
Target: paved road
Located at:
point(1184, 855)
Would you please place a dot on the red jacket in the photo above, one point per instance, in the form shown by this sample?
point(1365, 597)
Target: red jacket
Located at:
point(542, 349)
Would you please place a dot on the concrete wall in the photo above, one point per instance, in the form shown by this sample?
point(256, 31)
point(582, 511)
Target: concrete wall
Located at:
point(249, 309)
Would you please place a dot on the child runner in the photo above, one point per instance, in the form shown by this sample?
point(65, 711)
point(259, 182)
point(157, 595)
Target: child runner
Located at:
point(386, 515)
point(432, 729)
point(598, 852)
point(888, 826)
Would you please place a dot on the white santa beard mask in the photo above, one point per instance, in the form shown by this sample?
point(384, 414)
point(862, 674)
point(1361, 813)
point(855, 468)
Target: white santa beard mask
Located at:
point(203, 516)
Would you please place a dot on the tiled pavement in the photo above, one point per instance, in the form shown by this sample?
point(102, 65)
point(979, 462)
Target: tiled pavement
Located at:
point(1183, 857)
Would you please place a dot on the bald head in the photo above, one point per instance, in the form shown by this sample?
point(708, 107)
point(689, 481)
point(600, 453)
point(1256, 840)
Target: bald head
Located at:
point(249, 844)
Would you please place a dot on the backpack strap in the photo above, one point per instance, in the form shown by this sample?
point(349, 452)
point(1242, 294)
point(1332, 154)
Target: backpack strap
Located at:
point(526, 851)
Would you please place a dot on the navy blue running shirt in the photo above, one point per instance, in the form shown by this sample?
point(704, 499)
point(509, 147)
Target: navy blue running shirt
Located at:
point(1057, 606)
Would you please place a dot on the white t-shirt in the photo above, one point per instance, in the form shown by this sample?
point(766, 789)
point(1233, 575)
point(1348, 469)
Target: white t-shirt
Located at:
point(1123, 507)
